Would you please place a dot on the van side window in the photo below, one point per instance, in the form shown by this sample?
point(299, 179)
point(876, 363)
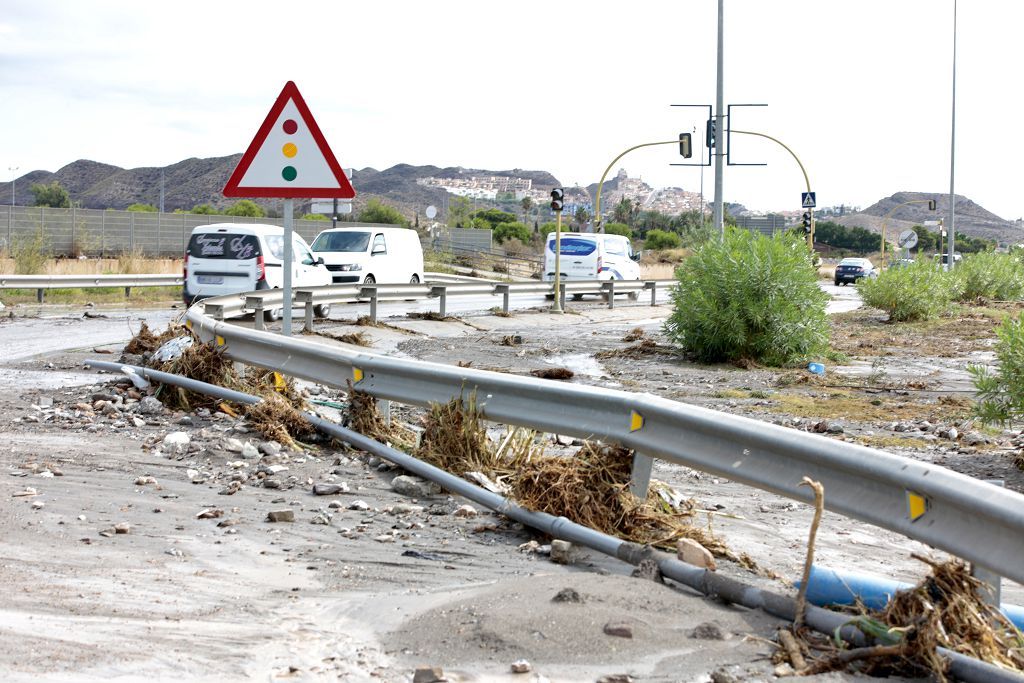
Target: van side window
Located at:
point(379, 245)
point(275, 243)
point(615, 247)
point(300, 253)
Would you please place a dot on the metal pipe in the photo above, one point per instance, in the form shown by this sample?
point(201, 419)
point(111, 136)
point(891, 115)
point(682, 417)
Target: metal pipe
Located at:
point(709, 583)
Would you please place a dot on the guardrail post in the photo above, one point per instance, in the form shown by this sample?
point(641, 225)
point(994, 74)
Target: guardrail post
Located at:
point(653, 286)
point(561, 295)
point(39, 295)
point(308, 327)
point(640, 477)
point(371, 292)
point(506, 294)
point(441, 292)
point(257, 320)
point(384, 406)
point(127, 292)
point(609, 288)
point(991, 591)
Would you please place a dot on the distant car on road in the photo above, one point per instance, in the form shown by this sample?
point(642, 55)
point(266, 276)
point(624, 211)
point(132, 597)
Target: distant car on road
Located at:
point(853, 269)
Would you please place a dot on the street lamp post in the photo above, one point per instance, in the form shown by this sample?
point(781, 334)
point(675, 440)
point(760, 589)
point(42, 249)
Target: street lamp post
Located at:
point(13, 170)
point(885, 219)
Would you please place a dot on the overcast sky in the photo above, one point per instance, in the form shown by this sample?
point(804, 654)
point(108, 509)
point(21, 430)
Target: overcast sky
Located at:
point(860, 90)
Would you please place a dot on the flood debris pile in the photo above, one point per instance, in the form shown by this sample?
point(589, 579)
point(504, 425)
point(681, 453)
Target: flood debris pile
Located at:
point(589, 487)
point(364, 417)
point(276, 417)
point(943, 610)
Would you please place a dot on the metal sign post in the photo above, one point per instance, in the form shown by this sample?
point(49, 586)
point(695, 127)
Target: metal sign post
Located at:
point(289, 158)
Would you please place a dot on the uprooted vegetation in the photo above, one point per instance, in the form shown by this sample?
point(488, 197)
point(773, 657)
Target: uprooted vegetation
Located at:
point(589, 487)
point(276, 417)
point(944, 610)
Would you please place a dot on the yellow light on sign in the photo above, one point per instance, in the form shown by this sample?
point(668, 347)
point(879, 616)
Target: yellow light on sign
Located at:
point(917, 505)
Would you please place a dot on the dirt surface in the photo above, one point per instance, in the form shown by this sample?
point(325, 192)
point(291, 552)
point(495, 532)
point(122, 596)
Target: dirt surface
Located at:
point(368, 583)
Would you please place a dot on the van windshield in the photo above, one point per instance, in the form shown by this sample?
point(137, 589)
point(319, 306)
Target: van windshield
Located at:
point(574, 246)
point(342, 241)
point(223, 245)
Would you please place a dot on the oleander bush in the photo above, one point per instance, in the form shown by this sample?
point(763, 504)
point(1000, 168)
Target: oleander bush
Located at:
point(749, 298)
point(990, 276)
point(918, 291)
point(1001, 392)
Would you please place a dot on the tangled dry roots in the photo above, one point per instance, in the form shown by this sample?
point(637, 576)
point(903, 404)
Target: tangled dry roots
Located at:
point(276, 419)
point(365, 418)
point(455, 439)
point(145, 341)
point(945, 610)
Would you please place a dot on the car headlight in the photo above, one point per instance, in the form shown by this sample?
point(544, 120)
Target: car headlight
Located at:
point(350, 267)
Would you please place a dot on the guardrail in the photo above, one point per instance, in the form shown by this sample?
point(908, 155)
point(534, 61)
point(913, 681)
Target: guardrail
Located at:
point(969, 518)
point(41, 283)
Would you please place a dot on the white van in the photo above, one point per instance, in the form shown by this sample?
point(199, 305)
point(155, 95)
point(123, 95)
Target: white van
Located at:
point(592, 256)
point(230, 258)
point(370, 255)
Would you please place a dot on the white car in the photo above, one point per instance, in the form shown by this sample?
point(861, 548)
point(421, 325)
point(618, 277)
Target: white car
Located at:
point(369, 255)
point(230, 258)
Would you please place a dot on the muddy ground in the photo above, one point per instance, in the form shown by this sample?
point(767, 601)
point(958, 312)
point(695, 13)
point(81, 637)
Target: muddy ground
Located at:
point(129, 555)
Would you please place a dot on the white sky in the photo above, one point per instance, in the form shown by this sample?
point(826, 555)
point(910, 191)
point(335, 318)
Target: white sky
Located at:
point(859, 89)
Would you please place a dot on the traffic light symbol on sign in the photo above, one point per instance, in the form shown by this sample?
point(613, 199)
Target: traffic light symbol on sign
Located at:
point(807, 222)
point(289, 150)
point(557, 199)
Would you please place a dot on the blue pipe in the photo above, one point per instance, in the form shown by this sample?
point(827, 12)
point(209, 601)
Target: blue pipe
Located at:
point(830, 587)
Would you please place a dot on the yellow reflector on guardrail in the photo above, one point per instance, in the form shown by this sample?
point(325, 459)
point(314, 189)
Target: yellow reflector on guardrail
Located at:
point(636, 421)
point(280, 386)
point(357, 375)
point(221, 341)
point(917, 505)
point(188, 324)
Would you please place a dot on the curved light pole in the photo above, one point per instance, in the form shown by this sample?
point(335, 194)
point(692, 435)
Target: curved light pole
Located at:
point(810, 235)
point(600, 185)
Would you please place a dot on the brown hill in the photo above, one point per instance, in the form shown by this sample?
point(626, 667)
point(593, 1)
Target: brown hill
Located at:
point(971, 219)
point(191, 182)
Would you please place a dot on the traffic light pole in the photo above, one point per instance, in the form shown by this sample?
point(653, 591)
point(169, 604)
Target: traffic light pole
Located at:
point(557, 306)
point(885, 220)
point(600, 185)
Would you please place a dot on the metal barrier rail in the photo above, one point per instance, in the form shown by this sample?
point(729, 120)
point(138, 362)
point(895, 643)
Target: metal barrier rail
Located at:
point(969, 518)
point(41, 283)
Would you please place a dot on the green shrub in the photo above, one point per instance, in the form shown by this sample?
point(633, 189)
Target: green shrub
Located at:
point(988, 276)
point(661, 239)
point(1001, 394)
point(506, 231)
point(30, 254)
point(749, 297)
point(618, 229)
point(918, 291)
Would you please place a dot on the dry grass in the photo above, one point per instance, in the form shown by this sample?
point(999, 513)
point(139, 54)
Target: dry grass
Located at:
point(850, 405)
point(354, 338)
point(145, 341)
point(276, 419)
point(365, 418)
point(553, 373)
point(943, 610)
point(645, 347)
point(455, 439)
point(430, 315)
point(636, 334)
point(98, 266)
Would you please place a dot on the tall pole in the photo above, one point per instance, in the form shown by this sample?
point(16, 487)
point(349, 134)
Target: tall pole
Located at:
point(557, 306)
point(13, 170)
point(289, 258)
point(952, 154)
point(719, 217)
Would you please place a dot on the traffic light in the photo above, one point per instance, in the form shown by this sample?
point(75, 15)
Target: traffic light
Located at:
point(685, 148)
point(807, 222)
point(931, 204)
point(557, 199)
point(709, 135)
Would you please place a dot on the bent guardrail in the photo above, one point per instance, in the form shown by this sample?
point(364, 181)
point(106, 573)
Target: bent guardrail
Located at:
point(969, 518)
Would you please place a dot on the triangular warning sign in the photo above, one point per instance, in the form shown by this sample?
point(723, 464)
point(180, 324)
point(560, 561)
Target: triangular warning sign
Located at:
point(289, 157)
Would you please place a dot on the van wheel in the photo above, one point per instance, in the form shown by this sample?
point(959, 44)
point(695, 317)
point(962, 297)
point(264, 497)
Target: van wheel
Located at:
point(370, 280)
point(634, 295)
point(577, 297)
point(273, 315)
point(414, 280)
point(322, 310)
